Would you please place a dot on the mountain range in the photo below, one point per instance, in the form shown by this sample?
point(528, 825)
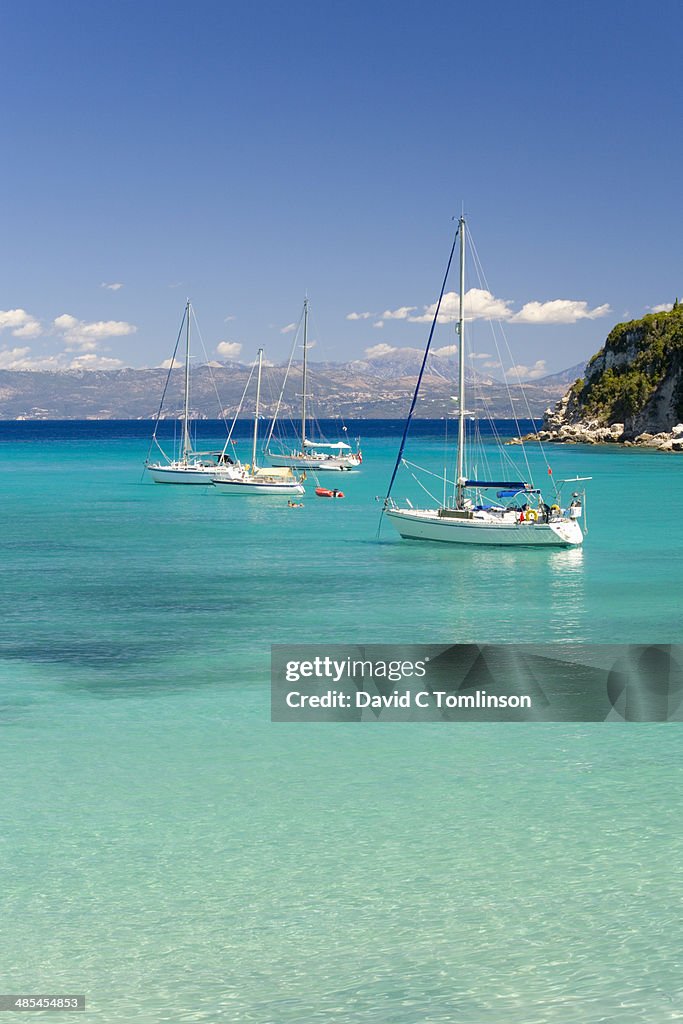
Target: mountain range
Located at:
point(376, 388)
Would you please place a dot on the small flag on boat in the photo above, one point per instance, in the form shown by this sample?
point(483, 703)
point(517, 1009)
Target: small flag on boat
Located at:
point(550, 472)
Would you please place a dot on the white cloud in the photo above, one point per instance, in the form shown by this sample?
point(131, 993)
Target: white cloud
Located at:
point(31, 329)
point(92, 361)
point(86, 336)
point(663, 307)
point(378, 323)
point(65, 322)
point(451, 350)
point(113, 287)
point(229, 349)
point(479, 305)
point(558, 311)
point(360, 316)
point(398, 314)
point(170, 364)
point(14, 358)
point(288, 329)
point(13, 318)
point(539, 369)
point(20, 359)
point(228, 319)
point(21, 323)
point(376, 351)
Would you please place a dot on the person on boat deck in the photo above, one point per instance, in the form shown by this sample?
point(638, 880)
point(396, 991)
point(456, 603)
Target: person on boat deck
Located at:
point(224, 457)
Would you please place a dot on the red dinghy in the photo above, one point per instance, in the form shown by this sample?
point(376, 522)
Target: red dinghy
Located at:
point(325, 492)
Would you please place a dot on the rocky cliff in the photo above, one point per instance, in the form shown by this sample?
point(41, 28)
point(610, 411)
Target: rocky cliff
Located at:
point(632, 390)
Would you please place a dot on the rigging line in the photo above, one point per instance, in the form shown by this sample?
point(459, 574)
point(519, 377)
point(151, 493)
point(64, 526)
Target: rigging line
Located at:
point(427, 472)
point(420, 484)
point(479, 400)
point(399, 457)
point(504, 457)
point(268, 386)
point(477, 444)
point(315, 417)
point(284, 383)
point(493, 324)
point(521, 387)
point(239, 410)
point(163, 394)
point(482, 280)
point(315, 420)
point(312, 413)
point(221, 413)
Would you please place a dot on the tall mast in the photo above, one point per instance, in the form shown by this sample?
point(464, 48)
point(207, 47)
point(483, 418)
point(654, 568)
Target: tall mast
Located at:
point(459, 478)
point(305, 375)
point(256, 410)
point(187, 443)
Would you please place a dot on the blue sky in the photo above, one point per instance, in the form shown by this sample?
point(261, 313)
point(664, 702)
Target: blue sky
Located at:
point(244, 154)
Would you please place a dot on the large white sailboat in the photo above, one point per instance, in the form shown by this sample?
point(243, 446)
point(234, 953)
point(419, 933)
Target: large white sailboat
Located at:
point(314, 455)
point(189, 466)
point(236, 478)
point(517, 515)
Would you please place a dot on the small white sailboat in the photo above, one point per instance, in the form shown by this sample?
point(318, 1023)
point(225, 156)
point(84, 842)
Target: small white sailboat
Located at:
point(517, 515)
point(189, 467)
point(236, 478)
point(315, 455)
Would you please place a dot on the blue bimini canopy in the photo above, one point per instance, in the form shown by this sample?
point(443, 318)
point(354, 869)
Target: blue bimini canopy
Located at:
point(516, 485)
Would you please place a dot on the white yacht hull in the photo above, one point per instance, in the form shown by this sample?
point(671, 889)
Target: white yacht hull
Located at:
point(257, 487)
point(418, 524)
point(179, 474)
point(327, 463)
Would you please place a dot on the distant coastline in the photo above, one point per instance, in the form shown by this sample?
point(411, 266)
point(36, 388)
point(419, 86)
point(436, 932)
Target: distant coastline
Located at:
point(380, 388)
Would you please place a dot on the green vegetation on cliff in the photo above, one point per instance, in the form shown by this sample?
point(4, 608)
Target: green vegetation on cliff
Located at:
point(635, 362)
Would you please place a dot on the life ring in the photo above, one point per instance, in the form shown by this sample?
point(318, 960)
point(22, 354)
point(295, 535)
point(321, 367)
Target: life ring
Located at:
point(554, 508)
point(531, 515)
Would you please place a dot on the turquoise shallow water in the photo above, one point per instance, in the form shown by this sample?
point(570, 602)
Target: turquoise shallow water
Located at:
point(169, 852)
